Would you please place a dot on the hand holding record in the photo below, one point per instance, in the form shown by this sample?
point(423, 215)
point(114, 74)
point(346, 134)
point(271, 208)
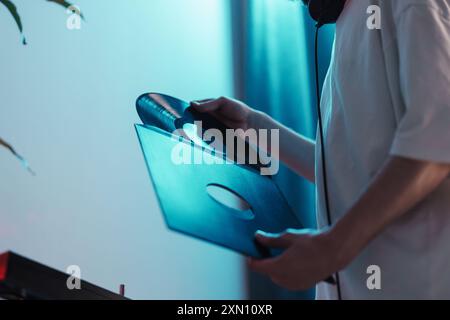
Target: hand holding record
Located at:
point(232, 113)
point(177, 116)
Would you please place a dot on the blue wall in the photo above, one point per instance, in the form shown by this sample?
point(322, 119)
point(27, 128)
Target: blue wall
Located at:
point(67, 104)
point(279, 71)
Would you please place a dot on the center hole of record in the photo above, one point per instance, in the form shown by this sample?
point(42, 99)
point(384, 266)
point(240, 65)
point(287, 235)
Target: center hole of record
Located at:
point(232, 200)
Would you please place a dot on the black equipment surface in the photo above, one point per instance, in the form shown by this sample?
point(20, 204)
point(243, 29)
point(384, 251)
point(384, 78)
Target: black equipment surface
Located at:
point(24, 279)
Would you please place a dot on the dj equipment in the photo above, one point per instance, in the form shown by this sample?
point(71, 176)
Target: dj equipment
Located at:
point(25, 279)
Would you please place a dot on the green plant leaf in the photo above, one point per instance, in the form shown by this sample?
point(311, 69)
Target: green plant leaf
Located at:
point(13, 10)
point(24, 162)
point(3, 143)
point(65, 4)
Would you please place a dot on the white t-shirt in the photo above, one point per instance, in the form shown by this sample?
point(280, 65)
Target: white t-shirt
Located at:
point(387, 92)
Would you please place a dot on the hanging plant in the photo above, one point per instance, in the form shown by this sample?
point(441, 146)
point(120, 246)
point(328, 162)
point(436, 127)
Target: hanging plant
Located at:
point(24, 162)
point(11, 7)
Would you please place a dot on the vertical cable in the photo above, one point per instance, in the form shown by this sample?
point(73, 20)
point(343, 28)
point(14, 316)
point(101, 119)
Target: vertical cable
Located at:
point(322, 144)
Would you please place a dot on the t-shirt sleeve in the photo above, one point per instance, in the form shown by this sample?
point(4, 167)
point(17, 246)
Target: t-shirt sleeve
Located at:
point(423, 34)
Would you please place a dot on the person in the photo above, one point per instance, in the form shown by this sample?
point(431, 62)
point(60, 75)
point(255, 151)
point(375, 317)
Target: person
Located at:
point(386, 103)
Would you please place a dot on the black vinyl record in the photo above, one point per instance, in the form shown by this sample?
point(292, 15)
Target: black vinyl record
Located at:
point(170, 114)
point(177, 117)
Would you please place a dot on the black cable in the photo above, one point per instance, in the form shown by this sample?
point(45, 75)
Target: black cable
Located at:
point(322, 144)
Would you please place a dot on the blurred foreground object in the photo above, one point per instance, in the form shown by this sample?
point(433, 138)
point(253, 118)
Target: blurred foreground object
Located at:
point(24, 279)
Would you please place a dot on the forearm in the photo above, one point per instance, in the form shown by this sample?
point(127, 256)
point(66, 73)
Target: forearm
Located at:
point(400, 185)
point(296, 151)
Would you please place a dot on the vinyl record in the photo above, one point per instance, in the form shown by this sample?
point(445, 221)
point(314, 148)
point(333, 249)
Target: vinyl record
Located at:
point(177, 117)
point(160, 110)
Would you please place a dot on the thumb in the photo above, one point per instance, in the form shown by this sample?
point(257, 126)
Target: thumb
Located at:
point(271, 240)
point(208, 105)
